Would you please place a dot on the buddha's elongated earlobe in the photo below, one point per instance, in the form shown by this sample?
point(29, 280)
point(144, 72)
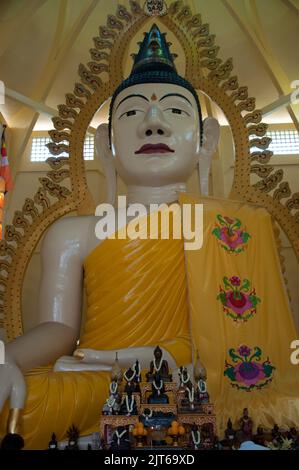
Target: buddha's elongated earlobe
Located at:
point(211, 134)
point(104, 153)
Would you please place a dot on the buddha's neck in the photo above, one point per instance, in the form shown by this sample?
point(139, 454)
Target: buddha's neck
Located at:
point(147, 195)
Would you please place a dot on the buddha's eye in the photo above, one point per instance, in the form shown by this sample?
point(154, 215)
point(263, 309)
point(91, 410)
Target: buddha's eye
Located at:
point(132, 112)
point(177, 111)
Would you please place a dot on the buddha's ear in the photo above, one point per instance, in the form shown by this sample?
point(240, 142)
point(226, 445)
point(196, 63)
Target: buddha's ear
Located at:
point(210, 140)
point(104, 153)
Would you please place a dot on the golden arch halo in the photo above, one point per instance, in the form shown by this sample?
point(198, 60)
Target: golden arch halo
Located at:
point(206, 72)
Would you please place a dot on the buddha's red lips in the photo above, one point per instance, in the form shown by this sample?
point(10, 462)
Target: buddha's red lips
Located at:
point(154, 148)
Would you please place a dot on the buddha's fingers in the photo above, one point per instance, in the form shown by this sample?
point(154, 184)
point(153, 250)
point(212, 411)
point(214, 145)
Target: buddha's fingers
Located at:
point(72, 364)
point(12, 385)
point(18, 390)
point(5, 386)
point(92, 356)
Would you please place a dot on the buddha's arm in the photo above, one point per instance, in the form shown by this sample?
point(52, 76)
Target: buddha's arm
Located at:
point(59, 299)
point(59, 314)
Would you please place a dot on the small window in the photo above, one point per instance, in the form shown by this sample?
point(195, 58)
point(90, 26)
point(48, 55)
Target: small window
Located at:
point(88, 150)
point(40, 153)
point(284, 142)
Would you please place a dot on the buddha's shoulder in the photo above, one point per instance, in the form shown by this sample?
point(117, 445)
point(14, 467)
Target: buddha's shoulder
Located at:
point(77, 226)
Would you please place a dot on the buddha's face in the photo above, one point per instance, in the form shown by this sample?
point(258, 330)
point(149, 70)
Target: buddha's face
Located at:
point(155, 134)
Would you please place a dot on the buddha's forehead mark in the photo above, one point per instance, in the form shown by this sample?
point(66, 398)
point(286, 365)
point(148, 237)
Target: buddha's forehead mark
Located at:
point(154, 97)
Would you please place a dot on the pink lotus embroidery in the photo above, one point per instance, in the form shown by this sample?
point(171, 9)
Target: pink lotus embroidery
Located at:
point(230, 234)
point(239, 302)
point(248, 373)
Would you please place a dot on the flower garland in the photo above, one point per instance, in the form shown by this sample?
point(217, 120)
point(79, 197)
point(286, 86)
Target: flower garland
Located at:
point(129, 380)
point(119, 436)
point(113, 387)
point(130, 407)
point(202, 386)
point(190, 394)
point(110, 402)
point(157, 368)
point(195, 439)
point(158, 388)
point(184, 381)
point(148, 415)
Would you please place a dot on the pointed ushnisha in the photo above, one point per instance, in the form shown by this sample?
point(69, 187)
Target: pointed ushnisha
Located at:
point(154, 52)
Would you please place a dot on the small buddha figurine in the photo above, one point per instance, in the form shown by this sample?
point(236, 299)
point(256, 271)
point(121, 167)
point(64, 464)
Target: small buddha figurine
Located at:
point(190, 401)
point(130, 376)
point(113, 387)
point(202, 393)
point(246, 423)
point(53, 444)
point(159, 366)
point(128, 406)
point(146, 416)
point(120, 439)
point(230, 433)
point(158, 394)
point(137, 379)
point(112, 405)
point(137, 370)
point(207, 436)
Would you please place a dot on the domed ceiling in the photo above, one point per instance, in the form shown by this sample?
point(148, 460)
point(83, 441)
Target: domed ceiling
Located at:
point(42, 43)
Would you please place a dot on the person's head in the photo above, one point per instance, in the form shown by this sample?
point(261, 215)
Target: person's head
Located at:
point(155, 131)
point(245, 412)
point(12, 442)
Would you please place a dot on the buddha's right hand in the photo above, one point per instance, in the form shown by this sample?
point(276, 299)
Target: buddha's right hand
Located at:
point(12, 385)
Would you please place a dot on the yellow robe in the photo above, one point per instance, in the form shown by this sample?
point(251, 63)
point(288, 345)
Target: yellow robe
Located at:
point(216, 331)
point(137, 296)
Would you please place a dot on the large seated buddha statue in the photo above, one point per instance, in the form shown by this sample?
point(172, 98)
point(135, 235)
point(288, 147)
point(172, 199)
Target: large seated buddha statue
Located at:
point(137, 288)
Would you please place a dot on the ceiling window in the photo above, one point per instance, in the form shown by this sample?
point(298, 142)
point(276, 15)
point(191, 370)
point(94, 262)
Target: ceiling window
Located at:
point(40, 153)
point(284, 142)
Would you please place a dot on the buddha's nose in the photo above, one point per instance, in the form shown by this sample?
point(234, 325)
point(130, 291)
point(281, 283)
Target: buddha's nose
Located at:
point(154, 124)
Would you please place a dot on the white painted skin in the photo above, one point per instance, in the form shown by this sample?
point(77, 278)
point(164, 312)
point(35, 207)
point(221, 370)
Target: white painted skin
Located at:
point(151, 178)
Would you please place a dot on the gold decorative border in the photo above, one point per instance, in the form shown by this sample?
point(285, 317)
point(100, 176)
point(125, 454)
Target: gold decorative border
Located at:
point(207, 72)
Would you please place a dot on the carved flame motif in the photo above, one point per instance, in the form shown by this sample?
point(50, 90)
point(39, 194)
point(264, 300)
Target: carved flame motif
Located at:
point(155, 8)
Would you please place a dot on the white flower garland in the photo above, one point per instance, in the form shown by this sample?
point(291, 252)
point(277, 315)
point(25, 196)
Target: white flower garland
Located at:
point(157, 368)
point(119, 436)
point(131, 406)
point(149, 415)
point(191, 394)
point(113, 388)
point(129, 380)
point(202, 386)
point(158, 388)
point(195, 440)
point(184, 381)
point(110, 402)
